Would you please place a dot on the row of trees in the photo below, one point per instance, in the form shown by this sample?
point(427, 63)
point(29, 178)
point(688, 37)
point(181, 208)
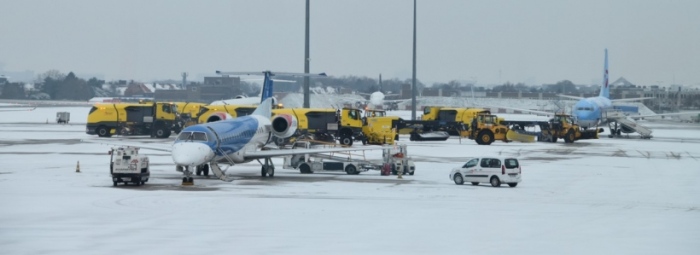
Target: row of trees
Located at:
point(54, 85)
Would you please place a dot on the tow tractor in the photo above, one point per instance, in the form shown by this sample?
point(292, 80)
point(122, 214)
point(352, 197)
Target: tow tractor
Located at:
point(126, 165)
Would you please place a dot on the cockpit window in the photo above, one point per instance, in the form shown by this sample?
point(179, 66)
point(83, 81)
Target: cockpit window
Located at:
point(192, 136)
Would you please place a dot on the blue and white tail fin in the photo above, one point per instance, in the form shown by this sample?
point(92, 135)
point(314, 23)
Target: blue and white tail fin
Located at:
point(605, 88)
point(264, 108)
point(267, 88)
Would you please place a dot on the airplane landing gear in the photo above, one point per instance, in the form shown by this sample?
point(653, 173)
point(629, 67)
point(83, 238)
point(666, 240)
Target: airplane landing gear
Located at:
point(268, 168)
point(187, 180)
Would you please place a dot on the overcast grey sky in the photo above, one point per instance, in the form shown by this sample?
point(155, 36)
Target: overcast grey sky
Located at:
point(491, 41)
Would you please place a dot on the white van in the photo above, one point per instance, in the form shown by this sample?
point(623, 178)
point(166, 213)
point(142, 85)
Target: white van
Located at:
point(495, 170)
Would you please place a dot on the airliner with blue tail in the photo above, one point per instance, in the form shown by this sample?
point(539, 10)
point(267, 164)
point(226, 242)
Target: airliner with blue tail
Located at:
point(201, 147)
point(592, 112)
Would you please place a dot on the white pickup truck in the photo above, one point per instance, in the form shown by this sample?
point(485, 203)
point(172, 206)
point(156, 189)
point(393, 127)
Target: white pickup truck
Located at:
point(126, 165)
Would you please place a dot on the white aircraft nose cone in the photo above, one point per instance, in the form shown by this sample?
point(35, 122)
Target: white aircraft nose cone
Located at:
point(188, 153)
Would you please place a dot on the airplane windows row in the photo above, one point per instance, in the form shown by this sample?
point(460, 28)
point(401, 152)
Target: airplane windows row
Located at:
point(584, 109)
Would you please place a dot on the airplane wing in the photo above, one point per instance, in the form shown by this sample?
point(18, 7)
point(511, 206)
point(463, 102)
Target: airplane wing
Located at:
point(13, 109)
point(286, 152)
point(156, 147)
point(630, 99)
point(663, 114)
point(571, 97)
point(395, 100)
point(521, 109)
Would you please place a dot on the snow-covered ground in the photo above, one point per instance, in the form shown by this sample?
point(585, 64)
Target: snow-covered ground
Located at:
point(606, 196)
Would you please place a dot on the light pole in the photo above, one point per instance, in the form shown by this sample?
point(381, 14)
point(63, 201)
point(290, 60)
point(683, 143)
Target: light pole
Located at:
point(306, 60)
point(413, 86)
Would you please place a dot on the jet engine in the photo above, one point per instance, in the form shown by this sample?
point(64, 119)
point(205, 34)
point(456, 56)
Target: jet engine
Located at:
point(284, 125)
point(217, 116)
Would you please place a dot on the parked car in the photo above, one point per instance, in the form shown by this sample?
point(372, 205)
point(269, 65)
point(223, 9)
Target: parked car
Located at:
point(494, 170)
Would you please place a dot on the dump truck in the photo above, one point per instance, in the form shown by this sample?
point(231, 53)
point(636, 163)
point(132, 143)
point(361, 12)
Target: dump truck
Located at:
point(157, 119)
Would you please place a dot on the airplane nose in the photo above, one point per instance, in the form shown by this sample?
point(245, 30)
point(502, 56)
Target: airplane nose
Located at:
point(188, 153)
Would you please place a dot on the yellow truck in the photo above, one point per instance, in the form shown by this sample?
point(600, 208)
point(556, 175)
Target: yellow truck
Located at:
point(319, 124)
point(211, 113)
point(157, 119)
point(188, 112)
point(446, 118)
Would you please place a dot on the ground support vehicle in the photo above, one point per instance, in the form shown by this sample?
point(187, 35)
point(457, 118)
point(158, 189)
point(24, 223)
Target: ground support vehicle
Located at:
point(562, 126)
point(396, 157)
point(211, 113)
point(156, 119)
point(486, 128)
point(188, 113)
point(313, 124)
point(493, 170)
point(310, 163)
point(62, 117)
point(393, 157)
point(447, 117)
point(379, 130)
point(429, 136)
point(127, 166)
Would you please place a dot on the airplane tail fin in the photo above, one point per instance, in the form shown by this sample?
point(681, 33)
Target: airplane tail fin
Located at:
point(266, 89)
point(265, 108)
point(605, 88)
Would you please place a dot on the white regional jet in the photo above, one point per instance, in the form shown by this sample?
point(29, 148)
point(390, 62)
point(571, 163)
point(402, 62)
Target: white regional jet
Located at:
point(238, 140)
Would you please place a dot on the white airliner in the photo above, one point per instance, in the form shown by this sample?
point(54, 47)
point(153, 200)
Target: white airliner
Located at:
point(591, 112)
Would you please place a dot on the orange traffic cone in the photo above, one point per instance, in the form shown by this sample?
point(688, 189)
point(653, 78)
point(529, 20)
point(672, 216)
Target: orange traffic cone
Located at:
point(77, 167)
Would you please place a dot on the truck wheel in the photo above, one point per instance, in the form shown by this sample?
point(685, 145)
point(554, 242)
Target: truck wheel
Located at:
point(346, 140)
point(103, 131)
point(351, 169)
point(114, 183)
point(570, 136)
point(143, 182)
point(513, 184)
point(162, 132)
point(458, 179)
point(137, 183)
point(304, 168)
point(495, 181)
point(485, 136)
point(475, 183)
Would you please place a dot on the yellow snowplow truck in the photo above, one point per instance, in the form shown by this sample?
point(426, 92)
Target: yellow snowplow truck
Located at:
point(156, 119)
point(450, 115)
point(563, 126)
point(377, 128)
point(318, 124)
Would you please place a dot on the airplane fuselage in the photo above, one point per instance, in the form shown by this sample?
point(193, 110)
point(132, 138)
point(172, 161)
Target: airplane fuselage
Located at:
point(221, 140)
point(589, 111)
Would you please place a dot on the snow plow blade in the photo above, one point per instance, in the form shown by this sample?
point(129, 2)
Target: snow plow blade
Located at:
point(521, 136)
